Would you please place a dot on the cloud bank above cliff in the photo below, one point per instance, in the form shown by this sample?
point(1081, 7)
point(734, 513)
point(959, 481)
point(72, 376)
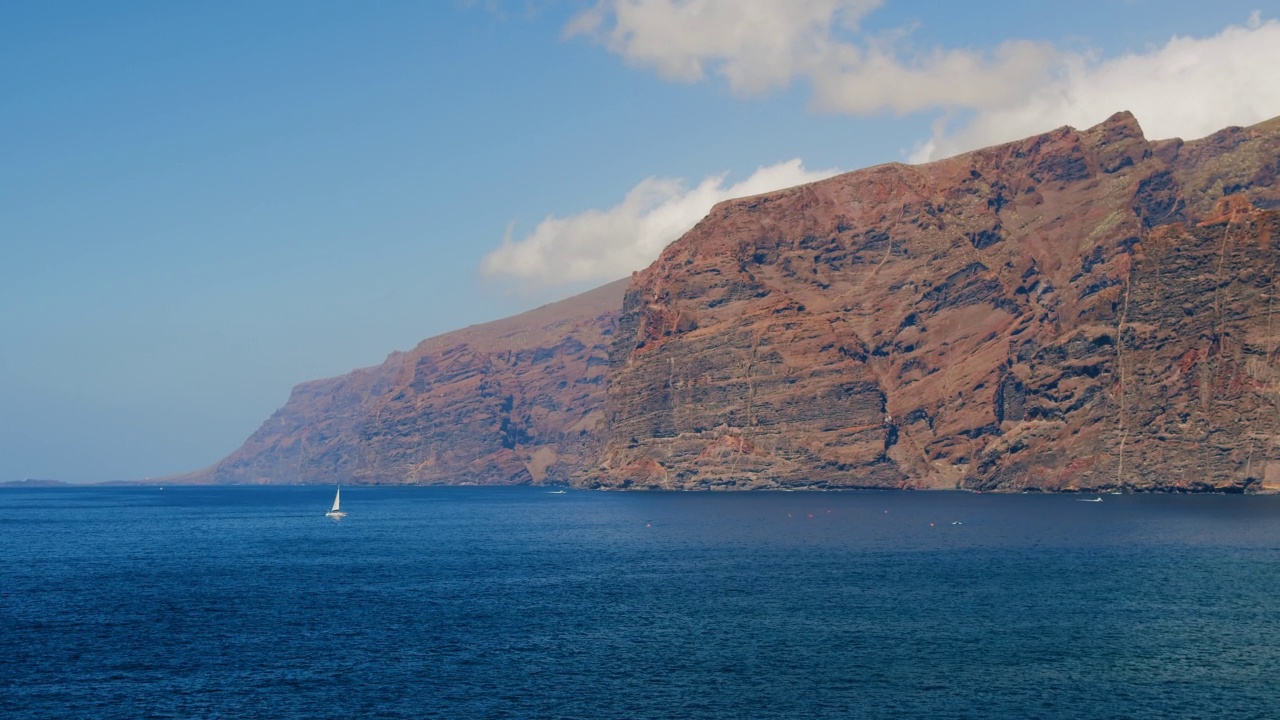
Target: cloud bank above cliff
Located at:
point(1188, 87)
point(608, 244)
point(764, 44)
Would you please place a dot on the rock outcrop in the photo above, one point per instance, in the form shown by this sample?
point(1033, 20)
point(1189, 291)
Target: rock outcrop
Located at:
point(1078, 310)
point(515, 401)
point(1081, 310)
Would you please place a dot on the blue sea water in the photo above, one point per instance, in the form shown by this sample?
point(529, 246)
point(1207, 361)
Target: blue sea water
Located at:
point(518, 603)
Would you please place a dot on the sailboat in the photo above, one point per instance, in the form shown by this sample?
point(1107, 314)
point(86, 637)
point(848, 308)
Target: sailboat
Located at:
point(336, 511)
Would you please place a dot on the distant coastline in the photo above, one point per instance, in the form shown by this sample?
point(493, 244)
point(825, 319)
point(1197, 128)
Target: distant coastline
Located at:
point(45, 483)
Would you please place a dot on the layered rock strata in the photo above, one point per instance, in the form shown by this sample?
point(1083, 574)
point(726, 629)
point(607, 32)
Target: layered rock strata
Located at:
point(1078, 310)
point(515, 401)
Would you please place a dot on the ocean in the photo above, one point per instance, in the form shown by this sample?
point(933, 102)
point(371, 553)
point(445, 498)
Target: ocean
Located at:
point(246, 602)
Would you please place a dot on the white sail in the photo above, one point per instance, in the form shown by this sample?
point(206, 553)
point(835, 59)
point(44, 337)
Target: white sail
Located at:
point(335, 512)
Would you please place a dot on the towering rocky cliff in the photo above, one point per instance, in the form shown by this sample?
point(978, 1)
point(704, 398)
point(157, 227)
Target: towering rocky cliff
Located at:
point(1081, 309)
point(519, 400)
point(1077, 310)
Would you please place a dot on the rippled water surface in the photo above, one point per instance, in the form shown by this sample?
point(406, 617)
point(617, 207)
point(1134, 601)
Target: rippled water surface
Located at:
point(519, 603)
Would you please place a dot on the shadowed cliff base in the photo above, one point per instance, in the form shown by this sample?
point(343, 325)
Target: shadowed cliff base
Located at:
point(1080, 310)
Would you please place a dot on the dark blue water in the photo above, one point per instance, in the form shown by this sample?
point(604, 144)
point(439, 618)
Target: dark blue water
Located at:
point(517, 603)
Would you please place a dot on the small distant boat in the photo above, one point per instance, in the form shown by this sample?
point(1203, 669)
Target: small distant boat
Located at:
point(1090, 499)
point(555, 492)
point(336, 510)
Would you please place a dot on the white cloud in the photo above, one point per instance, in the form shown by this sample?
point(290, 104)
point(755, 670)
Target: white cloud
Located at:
point(609, 244)
point(763, 44)
point(754, 45)
point(1188, 87)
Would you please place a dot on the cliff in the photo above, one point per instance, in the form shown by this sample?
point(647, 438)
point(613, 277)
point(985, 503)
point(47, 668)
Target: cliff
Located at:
point(1077, 310)
point(1080, 310)
point(519, 400)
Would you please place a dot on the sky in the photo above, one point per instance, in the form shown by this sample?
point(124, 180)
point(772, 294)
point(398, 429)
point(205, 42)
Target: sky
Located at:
point(204, 204)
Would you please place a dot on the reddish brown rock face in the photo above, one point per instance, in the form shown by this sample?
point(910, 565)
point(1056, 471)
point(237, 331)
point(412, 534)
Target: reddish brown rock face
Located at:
point(1078, 310)
point(519, 400)
point(1082, 310)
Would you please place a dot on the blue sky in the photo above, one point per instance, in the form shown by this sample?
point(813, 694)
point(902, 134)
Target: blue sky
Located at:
point(203, 204)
